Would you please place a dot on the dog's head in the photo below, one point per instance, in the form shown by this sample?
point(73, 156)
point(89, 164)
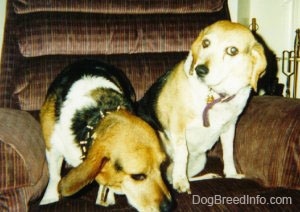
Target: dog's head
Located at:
point(226, 57)
point(126, 156)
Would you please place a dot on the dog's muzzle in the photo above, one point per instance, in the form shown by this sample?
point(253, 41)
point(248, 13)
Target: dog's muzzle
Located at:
point(167, 205)
point(201, 70)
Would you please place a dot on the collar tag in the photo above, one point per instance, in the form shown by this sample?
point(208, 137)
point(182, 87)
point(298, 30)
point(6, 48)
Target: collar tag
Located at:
point(210, 97)
point(210, 102)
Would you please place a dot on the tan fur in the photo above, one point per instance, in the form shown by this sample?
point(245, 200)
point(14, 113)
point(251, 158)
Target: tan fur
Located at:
point(47, 114)
point(248, 45)
point(112, 160)
point(260, 64)
point(183, 99)
point(123, 155)
point(168, 104)
point(195, 49)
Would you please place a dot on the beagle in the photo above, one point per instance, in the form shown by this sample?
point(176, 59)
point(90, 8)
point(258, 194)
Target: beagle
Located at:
point(87, 119)
point(200, 99)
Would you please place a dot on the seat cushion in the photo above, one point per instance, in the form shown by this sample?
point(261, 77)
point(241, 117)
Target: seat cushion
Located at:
point(119, 6)
point(23, 166)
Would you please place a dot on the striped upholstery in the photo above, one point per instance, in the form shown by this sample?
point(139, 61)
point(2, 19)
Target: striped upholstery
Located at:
point(267, 142)
point(144, 38)
point(41, 37)
point(23, 167)
point(60, 29)
point(10, 57)
point(119, 6)
point(141, 69)
point(276, 145)
point(14, 200)
point(86, 34)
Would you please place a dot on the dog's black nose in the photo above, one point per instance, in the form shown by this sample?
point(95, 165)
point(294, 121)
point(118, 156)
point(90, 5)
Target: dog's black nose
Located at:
point(201, 70)
point(166, 205)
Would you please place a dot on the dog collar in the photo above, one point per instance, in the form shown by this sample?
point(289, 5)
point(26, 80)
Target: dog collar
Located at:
point(84, 144)
point(210, 102)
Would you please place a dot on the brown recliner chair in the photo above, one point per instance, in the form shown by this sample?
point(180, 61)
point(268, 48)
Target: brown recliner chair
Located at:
point(144, 38)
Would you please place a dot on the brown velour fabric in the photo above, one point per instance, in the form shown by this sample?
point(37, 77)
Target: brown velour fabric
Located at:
point(145, 39)
point(268, 143)
point(119, 6)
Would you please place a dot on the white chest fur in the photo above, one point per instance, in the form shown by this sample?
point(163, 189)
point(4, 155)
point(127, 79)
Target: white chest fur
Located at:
point(221, 116)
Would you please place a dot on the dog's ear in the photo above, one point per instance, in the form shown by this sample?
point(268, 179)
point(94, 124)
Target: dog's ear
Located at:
point(193, 54)
point(85, 173)
point(98, 156)
point(259, 64)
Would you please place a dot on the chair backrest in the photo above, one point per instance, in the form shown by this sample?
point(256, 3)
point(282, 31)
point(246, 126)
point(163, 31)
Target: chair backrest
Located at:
point(143, 38)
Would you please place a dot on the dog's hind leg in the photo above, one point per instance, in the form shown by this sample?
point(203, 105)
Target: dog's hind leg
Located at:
point(205, 177)
point(55, 160)
point(105, 197)
point(196, 166)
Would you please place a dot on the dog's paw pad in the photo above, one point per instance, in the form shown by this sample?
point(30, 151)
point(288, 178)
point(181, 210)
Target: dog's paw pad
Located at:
point(236, 176)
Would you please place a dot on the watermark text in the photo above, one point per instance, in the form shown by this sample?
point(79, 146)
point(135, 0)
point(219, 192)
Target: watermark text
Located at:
point(242, 200)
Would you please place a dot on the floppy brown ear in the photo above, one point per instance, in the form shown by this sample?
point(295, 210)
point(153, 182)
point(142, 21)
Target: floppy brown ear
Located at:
point(259, 64)
point(83, 174)
point(196, 47)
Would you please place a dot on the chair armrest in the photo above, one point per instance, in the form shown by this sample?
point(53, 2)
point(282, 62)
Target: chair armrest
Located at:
point(23, 164)
point(267, 141)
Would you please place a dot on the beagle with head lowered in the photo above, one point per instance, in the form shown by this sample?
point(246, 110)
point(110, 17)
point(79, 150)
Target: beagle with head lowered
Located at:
point(88, 120)
point(200, 99)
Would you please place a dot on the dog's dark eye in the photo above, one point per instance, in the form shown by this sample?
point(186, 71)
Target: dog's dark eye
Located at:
point(232, 51)
point(205, 43)
point(138, 177)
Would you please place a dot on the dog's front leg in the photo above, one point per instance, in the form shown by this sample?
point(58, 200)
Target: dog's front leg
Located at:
point(180, 159)
point(227, 139)
point(55, 160)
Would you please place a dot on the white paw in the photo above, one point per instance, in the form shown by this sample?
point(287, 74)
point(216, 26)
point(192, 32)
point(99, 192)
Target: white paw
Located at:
point(236, 176)
point(205, 177)
point(49, 199)
point(51, 194)
point(181, 184)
